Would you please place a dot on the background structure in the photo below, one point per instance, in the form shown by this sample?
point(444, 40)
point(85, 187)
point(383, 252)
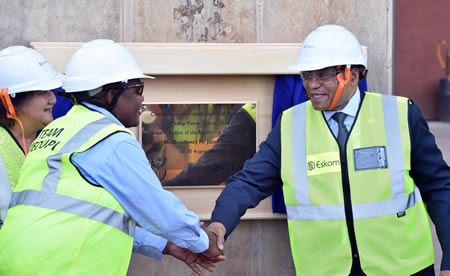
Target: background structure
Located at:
point(203, 21)
point(257, 247)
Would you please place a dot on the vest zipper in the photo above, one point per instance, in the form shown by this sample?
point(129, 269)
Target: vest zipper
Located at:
point(356, 269)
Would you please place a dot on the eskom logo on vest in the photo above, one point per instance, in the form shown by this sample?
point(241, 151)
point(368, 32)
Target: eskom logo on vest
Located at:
point(323, 163)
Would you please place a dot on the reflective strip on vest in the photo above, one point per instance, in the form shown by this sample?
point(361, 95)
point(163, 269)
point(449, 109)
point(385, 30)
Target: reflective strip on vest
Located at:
point(48, 198)
point(5, 191)
point(76, 207)
point(299, 160)
point(54, 161)
point(394, 144)
point(399, 201)
point(361, 210)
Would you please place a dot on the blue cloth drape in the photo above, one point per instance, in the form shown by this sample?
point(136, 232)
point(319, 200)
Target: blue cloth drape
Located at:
point(288, 92)
point(61, 107)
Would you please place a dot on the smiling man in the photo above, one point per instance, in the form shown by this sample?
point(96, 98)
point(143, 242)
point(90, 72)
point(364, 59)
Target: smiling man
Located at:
point(357, 170)
point(87, 182)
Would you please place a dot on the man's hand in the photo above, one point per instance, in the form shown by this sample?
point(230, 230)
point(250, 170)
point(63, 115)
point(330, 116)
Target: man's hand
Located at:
point(213, 251)
point(216, 234)
point(445, 273)
point(190, 258)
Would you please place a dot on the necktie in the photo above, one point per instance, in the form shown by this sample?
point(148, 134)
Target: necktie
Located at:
point(339, 117)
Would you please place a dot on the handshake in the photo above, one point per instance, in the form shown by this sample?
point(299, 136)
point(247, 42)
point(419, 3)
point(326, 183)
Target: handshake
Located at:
point(207, 259)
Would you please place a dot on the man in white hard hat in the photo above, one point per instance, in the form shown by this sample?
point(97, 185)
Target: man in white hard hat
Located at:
point(86, 183)
point(357, 170)
point(27, 99)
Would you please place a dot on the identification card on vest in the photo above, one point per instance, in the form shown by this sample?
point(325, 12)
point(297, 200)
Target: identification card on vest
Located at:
point(321, 163)
point(370, 158)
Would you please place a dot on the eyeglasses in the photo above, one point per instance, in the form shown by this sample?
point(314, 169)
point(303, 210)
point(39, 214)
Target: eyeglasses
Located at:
point(139, 86)
point(321, 75)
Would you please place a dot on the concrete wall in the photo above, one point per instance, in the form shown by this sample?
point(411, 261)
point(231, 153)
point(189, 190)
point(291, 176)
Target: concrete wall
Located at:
point(209, 21)
point(256, 247)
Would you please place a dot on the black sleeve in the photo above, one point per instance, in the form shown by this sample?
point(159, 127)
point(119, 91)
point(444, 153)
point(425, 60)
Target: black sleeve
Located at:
point(236, 144)
point(432, 176)
point(259, 178)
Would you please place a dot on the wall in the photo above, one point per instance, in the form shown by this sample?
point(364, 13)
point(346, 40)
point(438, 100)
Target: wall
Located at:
point(418, 27)
point(202, 21)
point(257, 247)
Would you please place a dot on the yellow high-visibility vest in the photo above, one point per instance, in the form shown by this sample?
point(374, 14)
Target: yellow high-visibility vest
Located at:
point(11, 159)
point(59, 223)
point(390, 221)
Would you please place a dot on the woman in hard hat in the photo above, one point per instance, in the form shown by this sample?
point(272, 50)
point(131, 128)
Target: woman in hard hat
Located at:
point(26, 83)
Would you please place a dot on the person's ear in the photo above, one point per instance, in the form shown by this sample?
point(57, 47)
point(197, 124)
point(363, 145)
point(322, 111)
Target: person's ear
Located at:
point(109, 96)
point(354, 75)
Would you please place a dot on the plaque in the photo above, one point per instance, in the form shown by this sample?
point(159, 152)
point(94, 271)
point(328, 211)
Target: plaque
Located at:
point(198, 144)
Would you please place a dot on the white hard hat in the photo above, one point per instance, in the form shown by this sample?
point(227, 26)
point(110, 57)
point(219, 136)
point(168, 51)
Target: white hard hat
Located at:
point(23, 69)
point(99, 62)
point(329, 45)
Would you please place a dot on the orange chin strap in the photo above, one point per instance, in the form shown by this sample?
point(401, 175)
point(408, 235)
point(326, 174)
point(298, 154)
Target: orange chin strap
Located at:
point(11, 113)
point(342, 83)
